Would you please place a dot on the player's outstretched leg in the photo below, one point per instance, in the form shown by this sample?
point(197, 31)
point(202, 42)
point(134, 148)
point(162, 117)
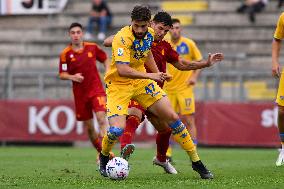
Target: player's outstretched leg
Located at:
point(109, 141)
point(180, 134)
point(127, 151)
point(162, 141)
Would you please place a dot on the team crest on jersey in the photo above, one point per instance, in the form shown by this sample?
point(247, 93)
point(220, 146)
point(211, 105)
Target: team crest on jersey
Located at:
point(120, 51)
point(163, 52)
point(183, 48)
point(71, 55)
point(141, 46)
point(90, 54)
point(282, 97)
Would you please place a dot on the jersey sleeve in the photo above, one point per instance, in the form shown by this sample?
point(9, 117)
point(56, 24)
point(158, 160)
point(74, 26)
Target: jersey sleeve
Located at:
point(63, 64)
point(100, 54)
point(171, 54)
point(121, 47)
point(279, 32)
point(196, 54)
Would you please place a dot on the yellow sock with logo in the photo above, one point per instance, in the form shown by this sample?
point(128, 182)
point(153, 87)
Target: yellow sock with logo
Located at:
point(181, 136)
point(110, 139)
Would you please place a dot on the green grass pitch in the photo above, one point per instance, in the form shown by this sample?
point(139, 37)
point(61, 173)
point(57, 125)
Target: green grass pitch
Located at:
point(50, 167)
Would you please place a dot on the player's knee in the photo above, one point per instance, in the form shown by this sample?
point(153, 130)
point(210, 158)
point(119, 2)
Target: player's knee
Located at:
point(172, 116)
point(88, 124)
point(177, 126)
point(101, 121)
point(114, 132)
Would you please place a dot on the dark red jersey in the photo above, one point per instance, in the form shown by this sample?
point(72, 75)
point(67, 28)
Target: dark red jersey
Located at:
point(84, 62)
point(163, 53)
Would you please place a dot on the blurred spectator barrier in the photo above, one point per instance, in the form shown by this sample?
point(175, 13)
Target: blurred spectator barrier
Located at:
point(219, 123)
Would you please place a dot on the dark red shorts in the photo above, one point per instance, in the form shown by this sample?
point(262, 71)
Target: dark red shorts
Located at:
point(85, 107)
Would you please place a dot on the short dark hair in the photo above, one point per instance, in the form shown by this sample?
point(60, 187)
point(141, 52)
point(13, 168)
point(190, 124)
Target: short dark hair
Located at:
point(163, 17)
point(175, 20)
point(141, 13)
point(75, 24)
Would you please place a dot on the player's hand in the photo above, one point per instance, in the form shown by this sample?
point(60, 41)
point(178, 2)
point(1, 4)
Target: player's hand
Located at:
point(213, 58)
point(276, 70)
point(78, 77)
point(160, 76)
point(167, 77)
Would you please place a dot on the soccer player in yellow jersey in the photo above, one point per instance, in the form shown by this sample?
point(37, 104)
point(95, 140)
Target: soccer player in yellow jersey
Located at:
point(127, 79)
point(180, 88)
point(277, 72)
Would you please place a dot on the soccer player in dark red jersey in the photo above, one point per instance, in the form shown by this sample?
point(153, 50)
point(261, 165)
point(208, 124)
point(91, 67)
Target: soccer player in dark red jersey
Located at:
point(163, 53)
point(78, 64)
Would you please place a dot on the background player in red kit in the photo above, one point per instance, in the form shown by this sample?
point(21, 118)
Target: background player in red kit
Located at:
point(78, 64)
point(163, 53)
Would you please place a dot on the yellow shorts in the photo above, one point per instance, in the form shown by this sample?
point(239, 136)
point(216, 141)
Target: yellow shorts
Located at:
point(280, 93)
point(183, 101)
point(143, 91)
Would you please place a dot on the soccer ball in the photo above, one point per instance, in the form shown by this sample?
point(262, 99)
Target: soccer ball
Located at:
point(117, 168)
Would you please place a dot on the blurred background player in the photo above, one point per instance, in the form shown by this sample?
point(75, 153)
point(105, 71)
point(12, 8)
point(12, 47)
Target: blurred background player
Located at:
point(101, 15)
point(78, 64)
point(180, 89)
point(162, 51)
point(278, 73)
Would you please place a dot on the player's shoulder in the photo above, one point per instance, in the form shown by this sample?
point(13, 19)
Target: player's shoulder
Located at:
point(91, 45)
point(281, 17)
point(188, 40)
point(165, 43)
point(124, 35)
point(66, 50)
point(125, 31)
point(87, 43)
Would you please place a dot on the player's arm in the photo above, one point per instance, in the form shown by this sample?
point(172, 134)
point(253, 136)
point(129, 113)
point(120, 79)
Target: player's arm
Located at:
point(78, 77)
point(151, 64)
point(124, 70)
point(108, 41)
point(194, 65)
point(106, 64)
point(63, 70)
point(276, 46)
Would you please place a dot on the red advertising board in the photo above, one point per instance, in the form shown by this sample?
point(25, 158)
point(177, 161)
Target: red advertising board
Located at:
point(234, 124)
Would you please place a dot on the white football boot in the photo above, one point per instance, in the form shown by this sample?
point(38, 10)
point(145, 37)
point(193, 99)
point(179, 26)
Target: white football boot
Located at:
point(168, 167)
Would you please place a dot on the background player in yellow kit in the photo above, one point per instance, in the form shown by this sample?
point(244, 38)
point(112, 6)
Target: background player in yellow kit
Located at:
point(180, 89)
point(276, 71)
